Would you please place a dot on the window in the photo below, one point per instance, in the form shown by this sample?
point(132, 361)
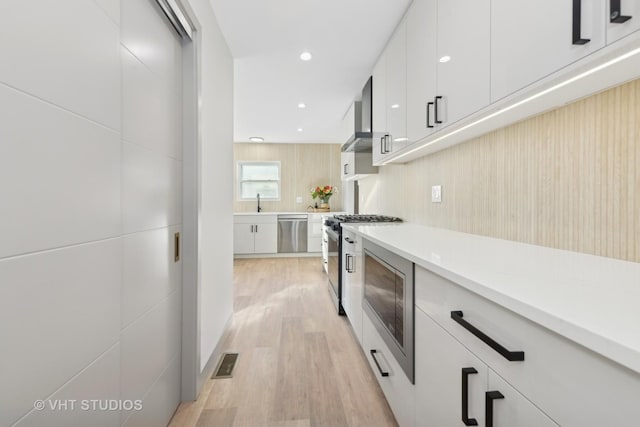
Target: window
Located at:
point(259, 177)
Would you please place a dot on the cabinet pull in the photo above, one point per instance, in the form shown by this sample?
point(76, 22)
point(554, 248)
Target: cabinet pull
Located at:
point(346, 168)
point(348, 240)
point(489, 397)
point(429, 125)
point(382, 144)
point(176, 247)
point(435, 102)
point(373, 355)
point(465, 397)
point(256, 228)
point(577, 18)
point(615, 15)
point(252, 228)
point(387, 137)
point(511, 356)
point(349, 260)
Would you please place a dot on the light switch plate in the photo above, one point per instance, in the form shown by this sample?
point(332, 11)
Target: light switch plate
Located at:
point(436, 194)
point(299, 199)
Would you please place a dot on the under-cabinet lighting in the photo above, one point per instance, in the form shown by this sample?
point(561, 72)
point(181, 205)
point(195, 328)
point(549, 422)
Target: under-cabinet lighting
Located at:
point(256, 139)
point(522, 102)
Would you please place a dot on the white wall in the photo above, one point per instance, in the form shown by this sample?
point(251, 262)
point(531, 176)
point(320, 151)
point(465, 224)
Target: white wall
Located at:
point(90, 178)
point(216, 200)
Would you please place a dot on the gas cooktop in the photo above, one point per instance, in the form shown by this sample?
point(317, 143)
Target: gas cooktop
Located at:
point(366, 218)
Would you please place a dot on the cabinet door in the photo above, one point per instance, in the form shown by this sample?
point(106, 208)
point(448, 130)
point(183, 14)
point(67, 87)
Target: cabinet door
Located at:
point(513, 409)
point(626, 19)
point(532, 39)
point(243, 238)
point(440, 361)
point(379, 94)
point(463, 58)
point(421, 68)
point(266, 238)
point(397, 89)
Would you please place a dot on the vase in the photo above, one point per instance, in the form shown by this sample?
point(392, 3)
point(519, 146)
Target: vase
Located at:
point(324, 203)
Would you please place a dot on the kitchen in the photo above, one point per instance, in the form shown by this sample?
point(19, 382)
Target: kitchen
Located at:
point(537, 157)
point(162, 213)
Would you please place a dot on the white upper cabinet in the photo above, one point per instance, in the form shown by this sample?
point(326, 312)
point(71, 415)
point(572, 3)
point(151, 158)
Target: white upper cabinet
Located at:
point(530, 40)
point(448, 63)
point(623, 18)
point(397, 89)
point(421, 67)
point(378, 106)
point(463, 59)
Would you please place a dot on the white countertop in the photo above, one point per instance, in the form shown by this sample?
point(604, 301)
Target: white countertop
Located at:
point(592, 300)
point(288, 213)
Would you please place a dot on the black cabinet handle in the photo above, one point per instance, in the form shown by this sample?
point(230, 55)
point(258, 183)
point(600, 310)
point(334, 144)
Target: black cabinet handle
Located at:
point(252, 228)
point(489, 397)
point(348, 240)
point(577, 15)
point(615, 15)
point(465, 397)
point(256, 228)
point(435, 101)
point(373, 355)
point(511, 356)
point(346, 168)
point(429, 125)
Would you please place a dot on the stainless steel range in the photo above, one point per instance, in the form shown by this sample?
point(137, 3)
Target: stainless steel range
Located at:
point(334, 262)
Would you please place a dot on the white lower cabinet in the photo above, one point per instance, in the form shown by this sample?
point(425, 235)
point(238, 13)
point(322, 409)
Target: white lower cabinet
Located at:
point(352, 280)
point(395, 385)
point(255, 234)
point(454, 386)
point(314, 233)
point(572, 385)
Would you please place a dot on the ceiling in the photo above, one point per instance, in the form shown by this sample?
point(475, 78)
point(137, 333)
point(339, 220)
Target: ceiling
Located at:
point(266, 38)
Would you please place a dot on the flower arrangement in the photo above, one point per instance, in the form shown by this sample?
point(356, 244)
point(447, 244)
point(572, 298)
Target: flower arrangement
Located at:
point(323, 193)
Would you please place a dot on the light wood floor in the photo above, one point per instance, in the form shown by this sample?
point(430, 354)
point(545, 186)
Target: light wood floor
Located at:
point(300, 364)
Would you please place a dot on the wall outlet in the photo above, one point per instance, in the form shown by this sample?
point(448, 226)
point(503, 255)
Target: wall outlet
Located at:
point(299, 199)
point(436, 194)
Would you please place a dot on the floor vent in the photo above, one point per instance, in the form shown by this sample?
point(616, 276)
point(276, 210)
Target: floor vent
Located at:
point(226, 365)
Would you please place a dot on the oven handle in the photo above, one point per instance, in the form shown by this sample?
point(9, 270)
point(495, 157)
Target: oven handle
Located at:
point(373, 355)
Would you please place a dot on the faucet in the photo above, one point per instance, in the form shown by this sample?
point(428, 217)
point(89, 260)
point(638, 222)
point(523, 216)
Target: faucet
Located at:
point(259, 208)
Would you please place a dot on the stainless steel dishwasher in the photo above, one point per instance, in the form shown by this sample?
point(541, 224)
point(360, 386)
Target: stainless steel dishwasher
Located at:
point(292, 233)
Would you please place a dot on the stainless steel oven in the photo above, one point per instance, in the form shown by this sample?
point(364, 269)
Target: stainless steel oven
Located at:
point(334, 267)
point(389, 301)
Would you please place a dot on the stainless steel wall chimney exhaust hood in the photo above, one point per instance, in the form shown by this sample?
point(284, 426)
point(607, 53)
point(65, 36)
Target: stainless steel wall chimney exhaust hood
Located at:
point(362, 138)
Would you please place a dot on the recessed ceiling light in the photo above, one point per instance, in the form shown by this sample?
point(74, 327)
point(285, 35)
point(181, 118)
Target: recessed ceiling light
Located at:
point(302, 105)
point(256, 139)
point(394, 106)
point(306, 56)
point(445, 58)
point(299, 129)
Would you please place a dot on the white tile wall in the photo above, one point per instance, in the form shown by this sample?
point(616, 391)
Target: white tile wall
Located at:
point(59, 311)
point(59, 176)
point(149, 271)
point(100, 381)
point(66, 53)
point(151, 188)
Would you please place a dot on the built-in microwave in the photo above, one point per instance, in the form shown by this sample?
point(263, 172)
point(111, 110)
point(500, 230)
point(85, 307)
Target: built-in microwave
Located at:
point(389, 301)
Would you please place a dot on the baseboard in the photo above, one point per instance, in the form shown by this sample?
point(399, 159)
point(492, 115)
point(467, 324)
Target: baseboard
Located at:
point(293, 255)
point(215, 356)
